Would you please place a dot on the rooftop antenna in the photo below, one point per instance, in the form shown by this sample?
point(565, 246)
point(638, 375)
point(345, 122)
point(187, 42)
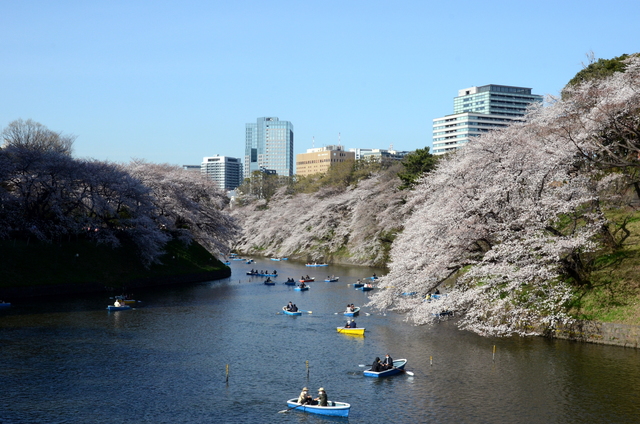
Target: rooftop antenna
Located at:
point(339, 140)
point(313, 142)
point(390, 146)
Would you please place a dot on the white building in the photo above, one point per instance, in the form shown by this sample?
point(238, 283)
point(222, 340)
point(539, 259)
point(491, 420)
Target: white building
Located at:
point(477, 110)
point(224, 170)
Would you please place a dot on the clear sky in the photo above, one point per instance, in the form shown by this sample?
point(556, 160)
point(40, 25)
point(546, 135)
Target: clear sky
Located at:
point(174, 81)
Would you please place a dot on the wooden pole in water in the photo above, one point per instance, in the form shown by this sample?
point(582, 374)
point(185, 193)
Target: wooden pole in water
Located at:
point(494, 353)
point(307, 369)
point(227, 379)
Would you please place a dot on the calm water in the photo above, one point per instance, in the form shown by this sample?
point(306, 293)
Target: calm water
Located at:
point(71, 361)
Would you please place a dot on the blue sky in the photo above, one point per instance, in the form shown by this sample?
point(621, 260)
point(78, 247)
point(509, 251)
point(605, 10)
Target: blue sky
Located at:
point(176, 81)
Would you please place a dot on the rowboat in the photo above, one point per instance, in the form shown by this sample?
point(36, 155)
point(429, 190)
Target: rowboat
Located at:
point(356, 285)
point(307, 280)
point(355, 312)
point(355, 331)
point(275, 259)
point(269, 283)
point(290, 283)
point(284, 309)
point(364, 288)
point(118, 308)
point(302, 288)
point(398, 367)
point(5, 305)
point(316, 264)
point(257, 274)
point(337, 409)
point(332, 279)
point(409, 293)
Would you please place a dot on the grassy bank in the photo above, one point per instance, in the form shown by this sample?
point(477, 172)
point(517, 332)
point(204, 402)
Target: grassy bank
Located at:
point(80, 262)
point(614, 291)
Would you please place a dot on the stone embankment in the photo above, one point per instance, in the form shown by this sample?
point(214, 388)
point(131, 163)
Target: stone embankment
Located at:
point(606, 333)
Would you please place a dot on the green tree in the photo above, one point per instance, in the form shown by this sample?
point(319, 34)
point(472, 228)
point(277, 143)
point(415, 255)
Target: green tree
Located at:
point(599, 69)
point(416, 164)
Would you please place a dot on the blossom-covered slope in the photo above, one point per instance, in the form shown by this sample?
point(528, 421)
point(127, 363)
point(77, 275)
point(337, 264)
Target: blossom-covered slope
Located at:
point(352, 226)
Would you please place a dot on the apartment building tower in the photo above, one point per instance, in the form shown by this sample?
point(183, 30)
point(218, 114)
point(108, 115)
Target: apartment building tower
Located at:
point(477, 110)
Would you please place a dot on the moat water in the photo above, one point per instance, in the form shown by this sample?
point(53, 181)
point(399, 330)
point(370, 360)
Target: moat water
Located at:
point(69, 360)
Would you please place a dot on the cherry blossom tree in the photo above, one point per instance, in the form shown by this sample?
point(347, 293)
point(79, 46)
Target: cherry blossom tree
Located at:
point(189, 204)
point(509, 223)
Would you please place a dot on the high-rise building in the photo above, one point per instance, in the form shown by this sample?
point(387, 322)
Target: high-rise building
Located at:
point(224, 170)
point(319, 160)
point(478, 110)
point(269, 145)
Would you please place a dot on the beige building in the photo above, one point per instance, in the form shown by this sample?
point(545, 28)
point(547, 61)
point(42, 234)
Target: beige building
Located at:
point(318, 161)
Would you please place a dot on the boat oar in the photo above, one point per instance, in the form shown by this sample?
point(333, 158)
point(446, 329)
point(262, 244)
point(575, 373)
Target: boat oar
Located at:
point(405, 371)
point(293, 407)
point(306, 312)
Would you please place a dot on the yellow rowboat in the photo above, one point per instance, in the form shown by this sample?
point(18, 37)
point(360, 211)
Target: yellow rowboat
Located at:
point(355, 331)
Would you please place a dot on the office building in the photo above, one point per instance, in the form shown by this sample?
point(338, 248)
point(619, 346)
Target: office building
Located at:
point(380, 155)
point(269, 145)
point(319, 160)
point(224, 170)
point(477, 110)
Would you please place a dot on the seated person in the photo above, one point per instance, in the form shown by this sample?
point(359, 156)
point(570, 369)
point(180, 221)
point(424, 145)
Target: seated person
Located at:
point(321, 400)
point(350, 324)
point(388, 362)
point(376, 366)
point(304, 397)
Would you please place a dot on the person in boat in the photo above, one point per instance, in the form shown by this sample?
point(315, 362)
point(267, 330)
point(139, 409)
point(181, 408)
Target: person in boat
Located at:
point(275, 272)
point(376, 366)
point(349, 308)
point(321, 400)
point(117, 303)
point(388, 362)
point(374, 275)
point(289, 306)
point(308, 278)
point(302, 285)
point(294, 308)
point(437, 291)
point(350, 324)
point(268, 280)
point(304, 397)
point(353, 308)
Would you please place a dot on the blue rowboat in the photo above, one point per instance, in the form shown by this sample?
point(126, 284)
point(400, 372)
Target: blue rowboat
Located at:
point(409, 293)
point(269, 283)
point(118, 308)
point(316, 264)
point(355, 312)
point(275, 259)
point(337, 409)
point(257, 274)
point(290, 283)
point(398, 367)
point(284, 309)
point(364, 288)
point(331, 280)
point(4, 305)
point(302, 288)
point(356, 285)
